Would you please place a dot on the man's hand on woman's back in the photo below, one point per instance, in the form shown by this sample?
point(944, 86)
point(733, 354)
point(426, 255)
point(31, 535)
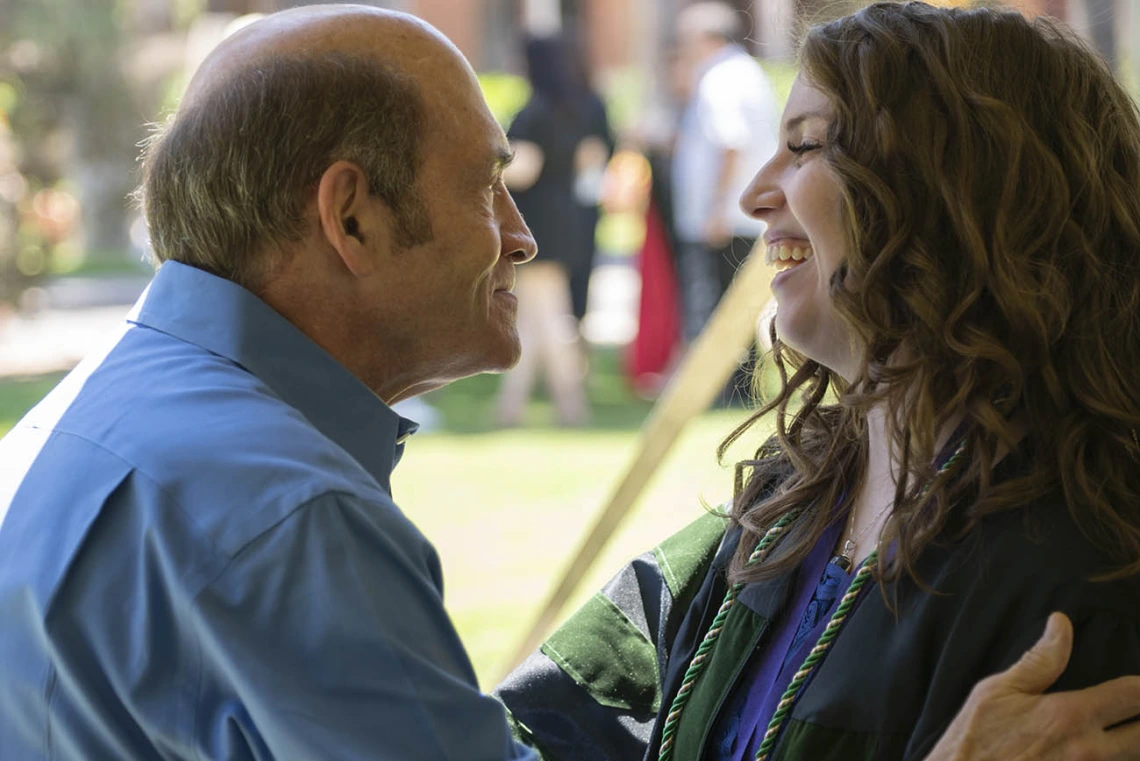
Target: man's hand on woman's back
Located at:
point(1008, 717)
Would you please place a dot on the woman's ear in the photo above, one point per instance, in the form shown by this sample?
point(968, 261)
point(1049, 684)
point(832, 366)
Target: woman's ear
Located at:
point(349, 219)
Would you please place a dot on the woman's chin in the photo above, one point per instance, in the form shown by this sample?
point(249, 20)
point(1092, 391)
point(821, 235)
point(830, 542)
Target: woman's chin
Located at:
point(807, 340)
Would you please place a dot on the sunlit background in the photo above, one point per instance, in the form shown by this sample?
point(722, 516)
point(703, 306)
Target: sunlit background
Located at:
point(81, 79)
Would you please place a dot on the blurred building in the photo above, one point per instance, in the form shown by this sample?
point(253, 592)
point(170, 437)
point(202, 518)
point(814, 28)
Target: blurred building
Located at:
point(619, 36)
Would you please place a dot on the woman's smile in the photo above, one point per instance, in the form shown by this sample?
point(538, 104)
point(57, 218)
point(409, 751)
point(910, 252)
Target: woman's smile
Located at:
point(785, 256)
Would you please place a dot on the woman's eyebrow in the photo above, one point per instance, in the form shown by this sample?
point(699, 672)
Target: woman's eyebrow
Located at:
point(799, 119)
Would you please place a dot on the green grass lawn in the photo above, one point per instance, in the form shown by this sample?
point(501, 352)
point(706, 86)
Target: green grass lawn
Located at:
point(506, 509)
point(18, 395)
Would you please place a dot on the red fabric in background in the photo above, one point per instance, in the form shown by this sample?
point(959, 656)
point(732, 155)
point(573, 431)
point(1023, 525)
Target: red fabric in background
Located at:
point(649, 357)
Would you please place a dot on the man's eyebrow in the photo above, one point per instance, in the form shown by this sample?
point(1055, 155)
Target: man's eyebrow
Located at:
point(799, 119)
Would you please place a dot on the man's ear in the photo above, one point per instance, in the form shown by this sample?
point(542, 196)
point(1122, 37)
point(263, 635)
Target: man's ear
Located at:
point(348, 217)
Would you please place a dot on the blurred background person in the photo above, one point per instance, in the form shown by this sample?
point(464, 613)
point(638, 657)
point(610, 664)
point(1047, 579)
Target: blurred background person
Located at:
point(640, 178)
point(590, 161)
point(727, 131)
point(553, 146)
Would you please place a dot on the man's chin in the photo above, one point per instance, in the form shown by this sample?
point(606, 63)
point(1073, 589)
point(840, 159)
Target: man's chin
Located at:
point(507, 352)
point(499, 358)
point(507, 362)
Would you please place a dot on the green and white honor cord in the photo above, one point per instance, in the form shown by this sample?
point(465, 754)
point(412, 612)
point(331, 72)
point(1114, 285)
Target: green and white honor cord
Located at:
point(788, 699)
point(814, 658)
point(669, 731)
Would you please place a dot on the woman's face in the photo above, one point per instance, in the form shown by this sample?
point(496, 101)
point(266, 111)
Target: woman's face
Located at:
point(799, 198)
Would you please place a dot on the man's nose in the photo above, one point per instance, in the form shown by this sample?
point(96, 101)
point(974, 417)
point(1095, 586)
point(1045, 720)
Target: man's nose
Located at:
point(518, 243)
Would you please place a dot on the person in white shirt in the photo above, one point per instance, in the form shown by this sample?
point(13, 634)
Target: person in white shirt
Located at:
point(727, 131)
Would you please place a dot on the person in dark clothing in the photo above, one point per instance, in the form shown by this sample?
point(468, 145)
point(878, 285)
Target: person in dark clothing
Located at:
point(548, 137)
point(593, 156)
point(953, 211)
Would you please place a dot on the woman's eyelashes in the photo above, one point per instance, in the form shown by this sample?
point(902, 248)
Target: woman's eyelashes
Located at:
point(803, 147)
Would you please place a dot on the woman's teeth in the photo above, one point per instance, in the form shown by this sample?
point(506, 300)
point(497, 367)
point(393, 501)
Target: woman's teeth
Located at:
point(784, 256)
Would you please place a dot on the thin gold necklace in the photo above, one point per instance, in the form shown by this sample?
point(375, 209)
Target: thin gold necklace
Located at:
point(845, 558)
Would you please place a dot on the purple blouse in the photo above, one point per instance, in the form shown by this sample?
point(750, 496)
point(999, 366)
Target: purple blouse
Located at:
point(744, 719)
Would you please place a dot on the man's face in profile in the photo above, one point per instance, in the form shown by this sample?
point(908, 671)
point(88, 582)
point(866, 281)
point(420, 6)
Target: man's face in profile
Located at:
point(457, 286)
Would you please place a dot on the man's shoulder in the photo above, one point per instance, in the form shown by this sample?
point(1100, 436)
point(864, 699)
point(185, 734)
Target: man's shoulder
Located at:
point(210, 436)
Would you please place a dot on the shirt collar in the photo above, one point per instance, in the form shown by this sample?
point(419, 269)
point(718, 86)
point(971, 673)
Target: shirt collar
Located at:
point(226, 319)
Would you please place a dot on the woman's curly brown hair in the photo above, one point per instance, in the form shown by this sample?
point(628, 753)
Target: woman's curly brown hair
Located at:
point(990, 169)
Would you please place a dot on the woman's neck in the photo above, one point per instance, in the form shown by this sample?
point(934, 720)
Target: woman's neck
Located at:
point(883, 455)
point(874, 498)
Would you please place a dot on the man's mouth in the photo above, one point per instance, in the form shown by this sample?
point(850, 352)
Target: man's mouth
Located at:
point(505, 295)
point(785, 256)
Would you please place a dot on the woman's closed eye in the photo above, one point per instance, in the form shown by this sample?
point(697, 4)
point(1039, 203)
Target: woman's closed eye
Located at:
point(804, 147)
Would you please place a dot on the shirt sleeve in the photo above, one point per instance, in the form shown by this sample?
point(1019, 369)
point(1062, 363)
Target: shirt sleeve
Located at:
point(595, 687)
point(326, 637)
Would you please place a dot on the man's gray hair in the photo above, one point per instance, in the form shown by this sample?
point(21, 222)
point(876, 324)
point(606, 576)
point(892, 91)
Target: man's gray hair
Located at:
point(226, 180)
point(711, 19)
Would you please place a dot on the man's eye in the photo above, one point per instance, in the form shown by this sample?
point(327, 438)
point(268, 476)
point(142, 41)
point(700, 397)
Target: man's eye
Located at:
point(804, 147)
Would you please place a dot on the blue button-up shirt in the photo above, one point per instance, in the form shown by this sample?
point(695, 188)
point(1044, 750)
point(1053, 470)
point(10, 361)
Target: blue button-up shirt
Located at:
point(200, 557)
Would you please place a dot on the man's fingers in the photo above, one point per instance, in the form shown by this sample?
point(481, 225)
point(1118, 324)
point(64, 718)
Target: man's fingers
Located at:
point(1124, 743)
point(1111, 702)
point(1043, 663)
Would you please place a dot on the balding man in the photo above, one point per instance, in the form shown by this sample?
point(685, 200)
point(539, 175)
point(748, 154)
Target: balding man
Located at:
point(200, 557)
point(199, 553)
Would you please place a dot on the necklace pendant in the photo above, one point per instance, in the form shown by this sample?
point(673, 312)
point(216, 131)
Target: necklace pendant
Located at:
point(843, 559)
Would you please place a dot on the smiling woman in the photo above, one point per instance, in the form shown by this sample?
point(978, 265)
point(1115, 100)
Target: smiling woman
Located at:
point(954, 214)
point(800, 198)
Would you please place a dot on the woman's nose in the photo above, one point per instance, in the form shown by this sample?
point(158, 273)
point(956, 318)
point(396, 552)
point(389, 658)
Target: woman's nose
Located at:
point(763, 194)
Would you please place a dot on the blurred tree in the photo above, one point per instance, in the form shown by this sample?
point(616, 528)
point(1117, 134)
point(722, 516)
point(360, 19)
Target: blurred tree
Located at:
point(12, 190)
point(154, 16)
point(107, 126)
point(76, 117)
